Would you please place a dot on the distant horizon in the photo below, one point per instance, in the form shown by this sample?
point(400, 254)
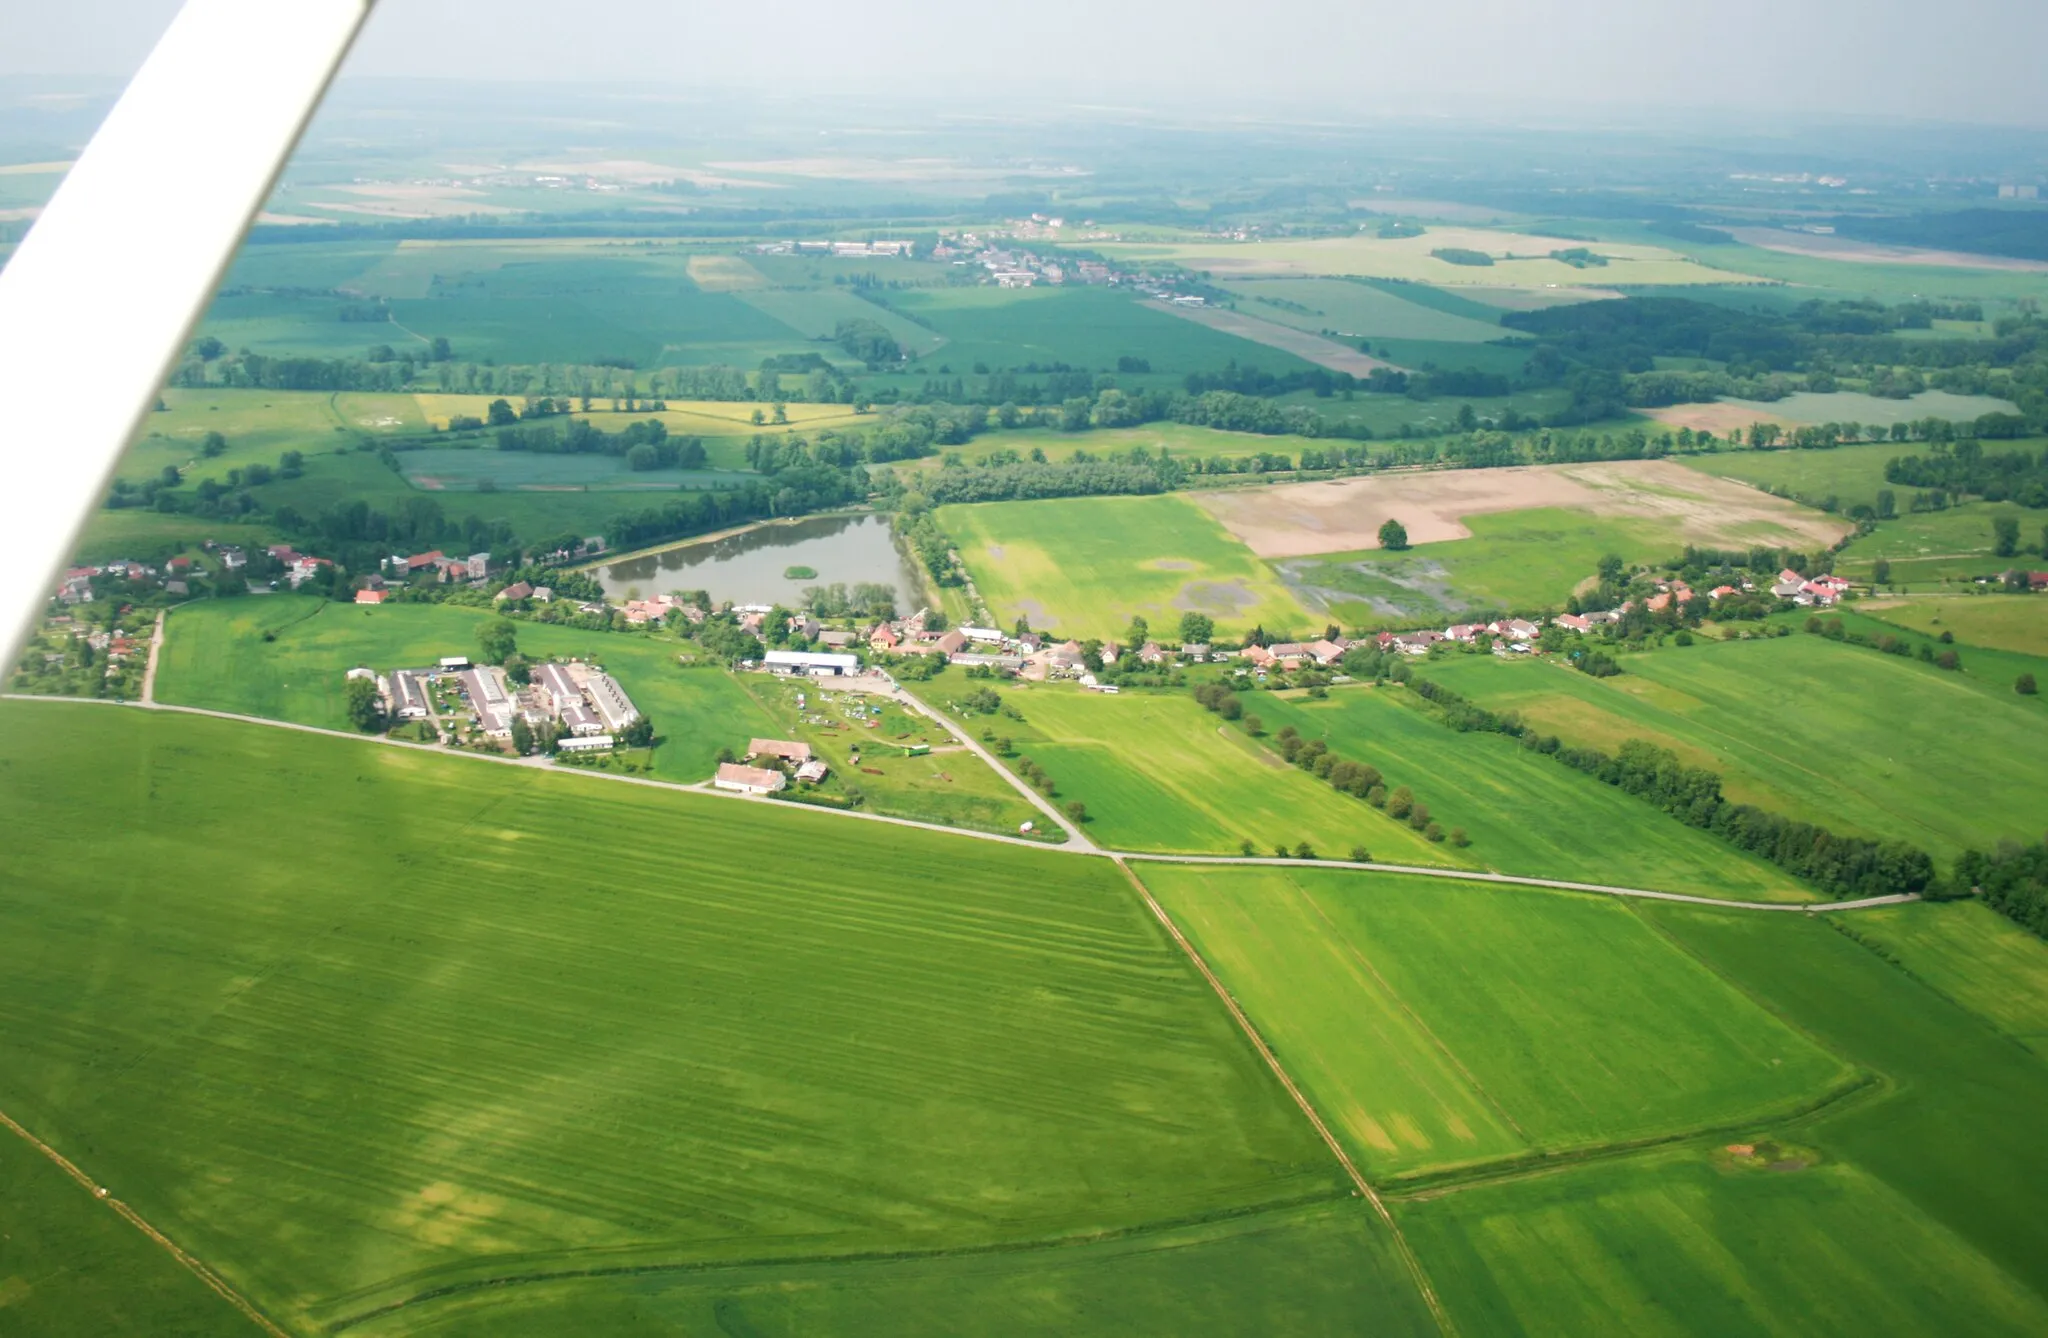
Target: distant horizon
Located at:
point(1464, 61)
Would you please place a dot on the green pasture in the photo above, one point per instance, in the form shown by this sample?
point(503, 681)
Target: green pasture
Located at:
point(1515, 561)
point(1676, 1244)
point(1327, 1269)
point(215, 656)
point(948, 785)
point(2016, 623)
point(1843, 736)
point(1954, 1128)
point(1358, 311)
point(1411, 259)
point(1082, 567)
point(1440, 1024)
point(1386, 414)
point(439, 1023)
point(1887, 283)
point(70, 1266)
point(1936, 548)
point(260, 425)
point(1086, 328)
point(815, 313)
point(1524, 813)
point(1158, 772)
point(1974, 956)
point(151, 536)
point(1180, 439)
point(454, 469)
point(1851, 474)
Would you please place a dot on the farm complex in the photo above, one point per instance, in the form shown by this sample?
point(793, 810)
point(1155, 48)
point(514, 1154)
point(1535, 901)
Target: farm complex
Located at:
point(771, 717)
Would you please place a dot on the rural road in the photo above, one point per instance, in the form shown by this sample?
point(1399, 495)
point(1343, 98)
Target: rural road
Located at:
point(1081, 847)
point(156, 647)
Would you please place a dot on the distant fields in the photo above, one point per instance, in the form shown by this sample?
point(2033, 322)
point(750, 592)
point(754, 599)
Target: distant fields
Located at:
point(543, 1022)
point(1852, 474)
point(1359, 310)
point(1525, 814)
point(1931, 548)
point(816, 313)
point(456, 469)
point(1158, 772)
point(1082, 567)
point(1837, 735)
point(1089, 328)
point(1440, 1024)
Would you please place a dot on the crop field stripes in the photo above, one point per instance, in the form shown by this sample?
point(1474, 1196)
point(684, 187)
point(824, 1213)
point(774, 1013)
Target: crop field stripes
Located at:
point(1157, 857)
point(195, 1266)
point(1251, 1033)
point(803, 1261)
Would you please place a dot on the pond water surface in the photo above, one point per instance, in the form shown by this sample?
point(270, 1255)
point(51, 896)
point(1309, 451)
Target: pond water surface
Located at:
point(748, 568)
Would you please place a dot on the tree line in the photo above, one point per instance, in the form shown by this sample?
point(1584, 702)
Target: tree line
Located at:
point(1849, 866)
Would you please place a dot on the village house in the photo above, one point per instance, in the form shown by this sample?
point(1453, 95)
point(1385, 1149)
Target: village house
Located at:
point(1326, 652)
point(813, 771)
point(783, 750)
point(748, 780)
point(516, 590)
point(1066, 656)
point(1463, 632)
point(370, 596)
point(1573, 622)
point(1195, 651)
point(883, 638)
point(1152, 653)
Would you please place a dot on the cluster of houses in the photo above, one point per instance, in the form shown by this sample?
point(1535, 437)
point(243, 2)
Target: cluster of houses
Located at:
point(770, 765)
point(844, 250)
point(586, 705)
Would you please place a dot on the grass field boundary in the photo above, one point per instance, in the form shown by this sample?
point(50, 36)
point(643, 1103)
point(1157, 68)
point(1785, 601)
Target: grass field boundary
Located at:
point(1251, 1033)
point(703, 788)
point(197, 1267)
point(1419, 1186)
point(855, 1259)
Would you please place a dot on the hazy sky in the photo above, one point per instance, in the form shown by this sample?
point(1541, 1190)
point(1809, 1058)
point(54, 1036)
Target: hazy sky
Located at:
point(1959, 60)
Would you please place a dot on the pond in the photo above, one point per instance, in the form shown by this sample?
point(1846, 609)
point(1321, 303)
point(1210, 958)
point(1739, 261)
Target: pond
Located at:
point(749, 568)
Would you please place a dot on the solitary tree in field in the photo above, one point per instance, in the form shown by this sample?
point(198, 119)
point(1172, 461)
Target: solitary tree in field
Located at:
point(365, 710)
point(1393, 535)
point(1880, 572)
point(2025, 686)
point(2005, 536)
point(212, 444)
point(1077, 811)
point(497, 639)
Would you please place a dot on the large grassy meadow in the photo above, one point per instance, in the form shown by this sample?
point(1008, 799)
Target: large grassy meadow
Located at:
point(1082, 567)
point(2015, 623)
point(1442, 1024)
point(1362, 310)
point(1857, 741)
point(1930, 549)
point(1159, 773)
point(1971, 954)
point(1524, 814)
point(440, 1024)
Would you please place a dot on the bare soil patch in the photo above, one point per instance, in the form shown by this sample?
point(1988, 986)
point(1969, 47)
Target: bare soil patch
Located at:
point(1308, 347)
point(1876, 253)
point(1344, 516)
point(1718, 418)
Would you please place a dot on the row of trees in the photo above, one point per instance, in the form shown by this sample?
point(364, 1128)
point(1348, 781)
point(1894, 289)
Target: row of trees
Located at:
point(1842, 865)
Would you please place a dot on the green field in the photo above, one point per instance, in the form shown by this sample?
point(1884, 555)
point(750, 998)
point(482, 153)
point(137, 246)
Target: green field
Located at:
point(1972, 954)
point(1937, 548)
point(456, 469)
point(1087, 328)
point(544, 1023)
point(1323, 1270)
point(1851, 474)
point(2017, 623)
point(69, 1265)
point(1954, 1129)
point(1159, 773)
point(259, 425)
point(1515, 561)
point(215, 656)
point(1442, 1024)
point(1082, 567)
point(1525, 814)
point(152, 536)
point(1860, 742)
point(1359, 310)
point(1672, 1245)
point(816, 313)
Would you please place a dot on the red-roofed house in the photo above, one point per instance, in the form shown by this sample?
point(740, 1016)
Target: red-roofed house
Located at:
point(369, 596)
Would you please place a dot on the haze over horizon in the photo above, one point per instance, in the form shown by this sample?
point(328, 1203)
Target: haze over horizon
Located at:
point(1879, 58)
